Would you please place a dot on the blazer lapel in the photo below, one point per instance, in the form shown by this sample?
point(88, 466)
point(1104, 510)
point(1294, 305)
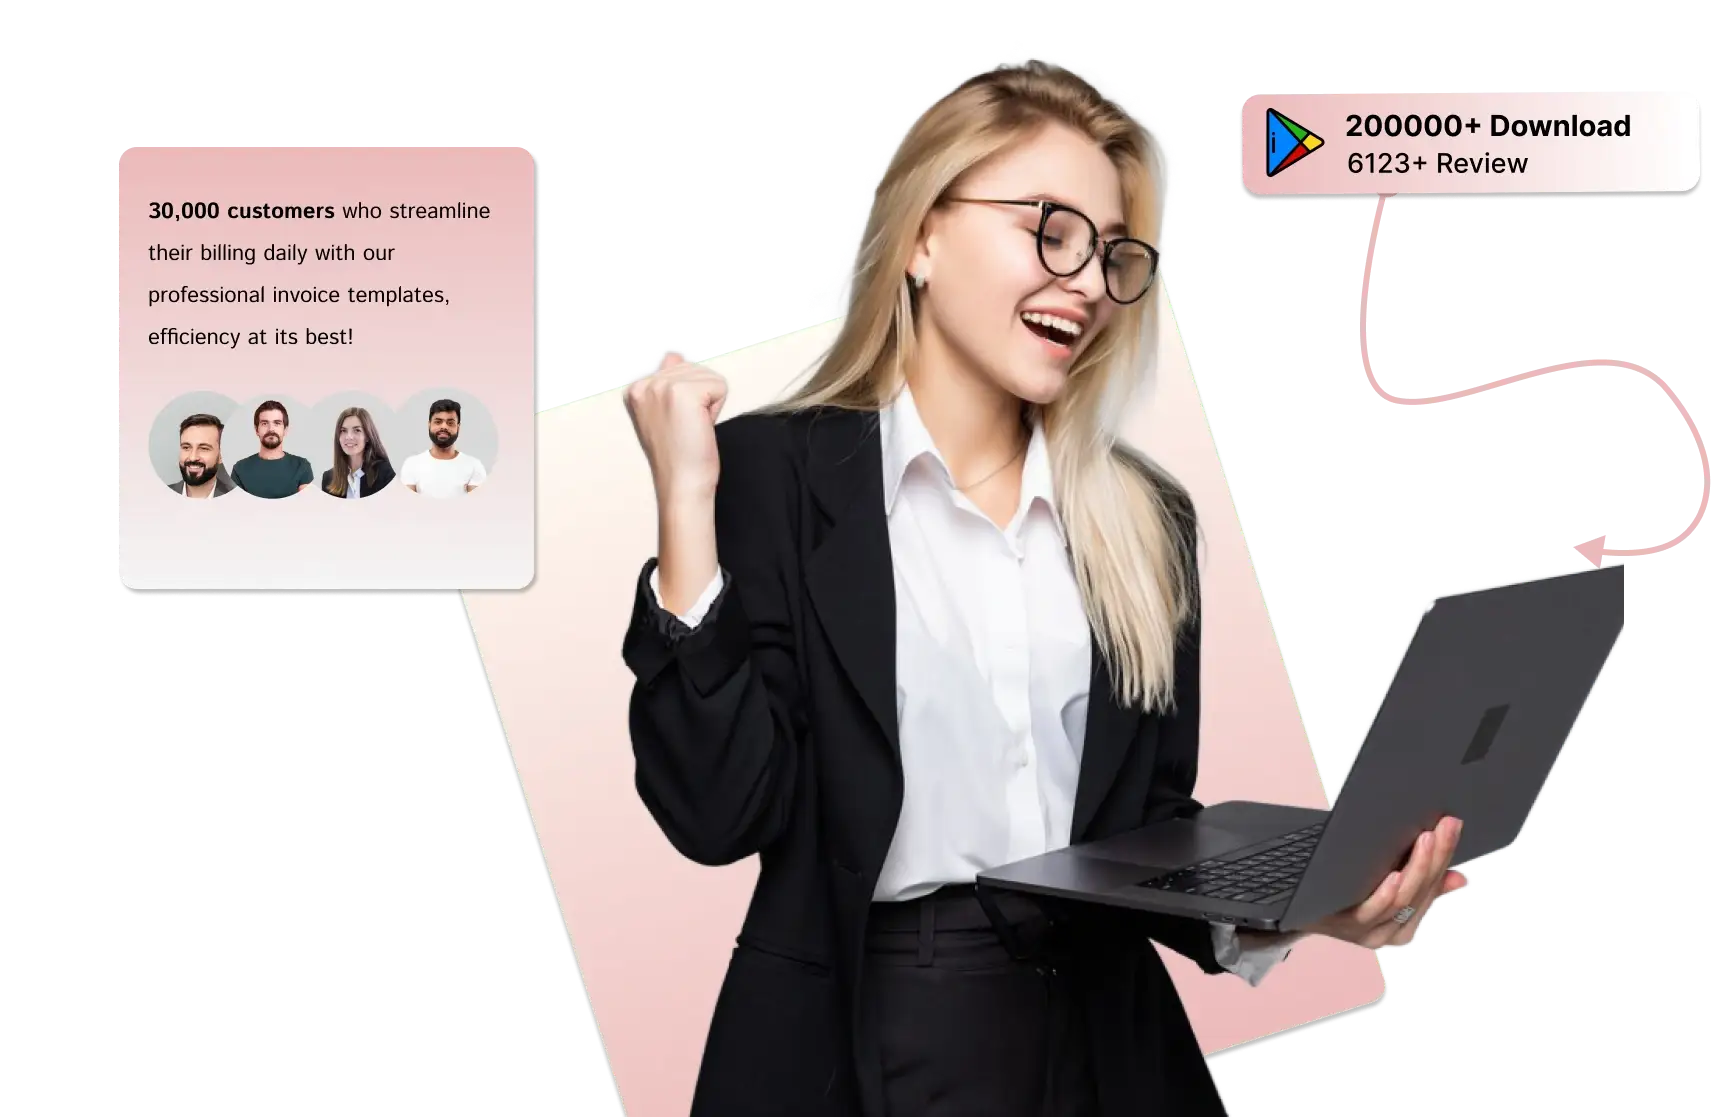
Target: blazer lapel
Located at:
point(1110, 729)
point(850, 573)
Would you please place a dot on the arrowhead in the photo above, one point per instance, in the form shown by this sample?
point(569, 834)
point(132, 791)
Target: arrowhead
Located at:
point(1592, 550)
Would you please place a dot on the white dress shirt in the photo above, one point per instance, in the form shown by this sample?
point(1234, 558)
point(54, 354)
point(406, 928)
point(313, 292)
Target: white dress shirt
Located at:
point(993, 675)
point(354, 478)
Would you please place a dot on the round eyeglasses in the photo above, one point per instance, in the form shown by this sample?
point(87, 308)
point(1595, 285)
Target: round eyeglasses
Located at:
point(1067, 241)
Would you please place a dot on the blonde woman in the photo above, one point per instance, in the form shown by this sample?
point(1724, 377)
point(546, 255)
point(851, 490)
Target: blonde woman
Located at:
point(927, 617)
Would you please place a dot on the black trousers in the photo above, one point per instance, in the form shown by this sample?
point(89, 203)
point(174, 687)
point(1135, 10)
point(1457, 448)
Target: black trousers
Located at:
point(962, 1028)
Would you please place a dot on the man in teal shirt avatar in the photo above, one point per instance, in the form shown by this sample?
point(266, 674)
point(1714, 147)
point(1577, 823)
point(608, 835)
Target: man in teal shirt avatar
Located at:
point(272, 472)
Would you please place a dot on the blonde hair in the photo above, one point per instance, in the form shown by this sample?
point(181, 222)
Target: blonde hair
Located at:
point(1130, 526)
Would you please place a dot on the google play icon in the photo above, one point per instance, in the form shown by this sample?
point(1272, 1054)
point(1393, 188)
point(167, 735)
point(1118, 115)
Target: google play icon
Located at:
point(1286, 142)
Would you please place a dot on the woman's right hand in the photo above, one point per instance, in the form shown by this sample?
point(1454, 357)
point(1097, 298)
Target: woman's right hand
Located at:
point(674, 411)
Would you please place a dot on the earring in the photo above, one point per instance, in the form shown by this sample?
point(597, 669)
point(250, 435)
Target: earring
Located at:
point(918, 281)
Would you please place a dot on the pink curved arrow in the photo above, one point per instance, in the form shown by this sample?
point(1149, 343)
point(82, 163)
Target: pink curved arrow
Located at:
point(1597, 547)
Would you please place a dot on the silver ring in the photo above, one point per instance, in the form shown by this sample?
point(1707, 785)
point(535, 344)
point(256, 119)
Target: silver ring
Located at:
point(1404, 914)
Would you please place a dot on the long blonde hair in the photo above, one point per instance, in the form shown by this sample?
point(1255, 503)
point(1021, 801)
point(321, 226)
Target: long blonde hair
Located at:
point(1130, 526)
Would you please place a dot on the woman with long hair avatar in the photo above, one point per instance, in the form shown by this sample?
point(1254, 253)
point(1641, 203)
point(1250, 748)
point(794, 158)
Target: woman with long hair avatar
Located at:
point(360, 466)
point(927, 617)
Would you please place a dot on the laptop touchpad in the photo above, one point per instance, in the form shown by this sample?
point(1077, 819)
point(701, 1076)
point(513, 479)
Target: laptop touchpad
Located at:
point(1169, 845)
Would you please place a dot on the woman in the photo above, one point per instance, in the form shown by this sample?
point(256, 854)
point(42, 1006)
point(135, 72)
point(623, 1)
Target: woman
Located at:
point(927, 617)
point(361, 466)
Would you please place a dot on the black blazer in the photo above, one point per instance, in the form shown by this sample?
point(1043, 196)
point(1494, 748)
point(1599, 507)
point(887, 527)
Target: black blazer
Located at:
point(771, 730)
point(378, 474)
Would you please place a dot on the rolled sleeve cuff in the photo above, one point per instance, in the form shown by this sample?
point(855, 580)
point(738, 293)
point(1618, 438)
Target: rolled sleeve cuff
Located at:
point(699, 610)
point(707, 654)
point(1250, 963)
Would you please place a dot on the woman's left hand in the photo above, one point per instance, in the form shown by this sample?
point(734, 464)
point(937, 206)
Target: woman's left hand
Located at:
point(1425, 877)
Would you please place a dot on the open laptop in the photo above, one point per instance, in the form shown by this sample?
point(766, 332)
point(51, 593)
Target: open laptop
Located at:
point(1474, 719)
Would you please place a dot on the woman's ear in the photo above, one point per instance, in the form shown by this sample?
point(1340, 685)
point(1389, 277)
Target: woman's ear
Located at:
point(919, 266)
point(918, 271)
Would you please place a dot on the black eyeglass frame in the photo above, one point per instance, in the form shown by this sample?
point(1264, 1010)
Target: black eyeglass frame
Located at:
point(1046, 208)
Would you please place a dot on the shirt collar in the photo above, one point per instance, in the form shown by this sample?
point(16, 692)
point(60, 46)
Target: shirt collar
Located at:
point(906, 440)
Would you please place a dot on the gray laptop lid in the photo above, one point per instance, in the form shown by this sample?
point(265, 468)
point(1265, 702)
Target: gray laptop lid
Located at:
point(1471, 725)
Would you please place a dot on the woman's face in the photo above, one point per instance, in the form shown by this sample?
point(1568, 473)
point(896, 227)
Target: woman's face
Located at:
point(986, 290)
point(351, 435)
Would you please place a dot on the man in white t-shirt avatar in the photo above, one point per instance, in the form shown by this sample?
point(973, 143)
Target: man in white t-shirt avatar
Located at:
point(443, 470)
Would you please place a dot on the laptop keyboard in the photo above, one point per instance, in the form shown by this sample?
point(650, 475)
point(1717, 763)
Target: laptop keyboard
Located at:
point(1267, 875)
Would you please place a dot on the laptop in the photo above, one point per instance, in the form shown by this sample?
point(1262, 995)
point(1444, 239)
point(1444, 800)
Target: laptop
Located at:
point(1472, 723)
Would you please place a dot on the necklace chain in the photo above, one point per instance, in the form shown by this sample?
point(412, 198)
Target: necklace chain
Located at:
point(998, 469)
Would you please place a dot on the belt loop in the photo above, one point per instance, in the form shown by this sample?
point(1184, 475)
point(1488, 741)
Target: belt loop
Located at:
point(927, 931)
point(1005, 931)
